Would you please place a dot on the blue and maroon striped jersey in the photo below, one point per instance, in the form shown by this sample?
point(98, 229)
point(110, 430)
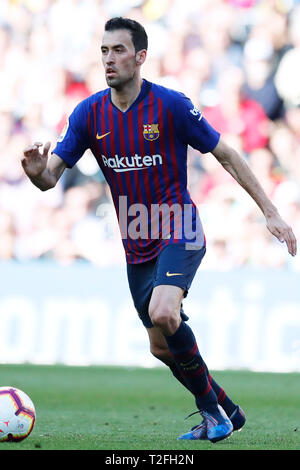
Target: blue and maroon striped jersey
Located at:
point(142, 153)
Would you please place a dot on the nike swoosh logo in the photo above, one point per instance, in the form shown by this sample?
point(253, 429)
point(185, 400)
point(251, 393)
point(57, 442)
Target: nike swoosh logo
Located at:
point(173, 274)
point(98, 137)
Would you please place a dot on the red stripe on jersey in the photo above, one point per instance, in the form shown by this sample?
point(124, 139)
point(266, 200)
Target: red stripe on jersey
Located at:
point(125, 178)
point(94, 133)
point(142, 146)
point(133, 151)
point(173, 157)
point(102, 123)
point(121, 133)
point(96, 148)
point(147, 183)
point(117, 177)
point(163, 148)
point(142, 152)
point(137, 183)
point(95, 105)
point(89, 125)
point(162, 136)
point(130, 129)
point(178, 194)
point(157, 186)
point(111, 138)
point(103, 144)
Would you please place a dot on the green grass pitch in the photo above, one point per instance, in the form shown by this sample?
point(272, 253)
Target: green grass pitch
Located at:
point(118, 408)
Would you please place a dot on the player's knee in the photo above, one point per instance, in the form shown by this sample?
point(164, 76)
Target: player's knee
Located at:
point(164, 318)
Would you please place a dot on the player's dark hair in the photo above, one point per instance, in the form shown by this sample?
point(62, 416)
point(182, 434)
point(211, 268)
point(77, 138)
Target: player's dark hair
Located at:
point(138, 34)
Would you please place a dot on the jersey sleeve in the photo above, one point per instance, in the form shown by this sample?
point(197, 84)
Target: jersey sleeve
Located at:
point(73, 141)
point(192, 128)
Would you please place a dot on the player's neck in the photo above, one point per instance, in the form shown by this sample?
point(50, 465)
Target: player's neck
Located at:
point(123, 98)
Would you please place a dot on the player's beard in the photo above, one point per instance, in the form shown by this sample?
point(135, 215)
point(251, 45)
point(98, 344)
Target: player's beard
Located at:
point(119, 83)
point(114, 82)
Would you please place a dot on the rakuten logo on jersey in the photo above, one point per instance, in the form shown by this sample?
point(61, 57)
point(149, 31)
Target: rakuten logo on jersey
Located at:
point(136, 162)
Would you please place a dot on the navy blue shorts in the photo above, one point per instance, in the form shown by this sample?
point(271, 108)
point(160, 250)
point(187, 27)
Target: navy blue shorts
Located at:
point(175, 266)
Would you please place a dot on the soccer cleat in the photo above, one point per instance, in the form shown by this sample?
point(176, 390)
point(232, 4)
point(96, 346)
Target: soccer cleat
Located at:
point(237, 418)
point(216, 426)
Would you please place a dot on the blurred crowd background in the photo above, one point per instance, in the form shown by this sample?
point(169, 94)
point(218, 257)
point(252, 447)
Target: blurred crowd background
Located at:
point(238, 60)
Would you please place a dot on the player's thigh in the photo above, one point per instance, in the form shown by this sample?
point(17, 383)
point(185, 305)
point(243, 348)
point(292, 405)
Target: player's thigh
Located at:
point(166, 301)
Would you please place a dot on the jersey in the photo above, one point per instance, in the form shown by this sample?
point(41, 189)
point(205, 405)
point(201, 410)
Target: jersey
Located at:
point(142, 153)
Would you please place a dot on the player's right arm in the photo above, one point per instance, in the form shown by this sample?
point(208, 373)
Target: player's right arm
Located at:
point(74, 140)
point(43, 171)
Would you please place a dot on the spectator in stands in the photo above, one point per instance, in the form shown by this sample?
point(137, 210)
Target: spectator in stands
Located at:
point(237, 114)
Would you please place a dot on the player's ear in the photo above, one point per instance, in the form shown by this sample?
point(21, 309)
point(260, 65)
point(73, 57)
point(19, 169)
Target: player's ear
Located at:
point(140, 57)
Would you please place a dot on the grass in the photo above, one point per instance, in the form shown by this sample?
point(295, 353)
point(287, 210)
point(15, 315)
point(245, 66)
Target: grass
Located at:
point(114, 408)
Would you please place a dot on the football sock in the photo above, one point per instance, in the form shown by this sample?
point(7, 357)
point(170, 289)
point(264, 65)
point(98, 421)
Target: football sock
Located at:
point(227, 404)
point(192, 368)
point(223, 399)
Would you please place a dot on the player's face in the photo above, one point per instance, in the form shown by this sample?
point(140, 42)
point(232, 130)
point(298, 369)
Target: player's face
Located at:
point(118, 57)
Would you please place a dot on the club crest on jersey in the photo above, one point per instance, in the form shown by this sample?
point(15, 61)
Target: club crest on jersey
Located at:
point(151, 131)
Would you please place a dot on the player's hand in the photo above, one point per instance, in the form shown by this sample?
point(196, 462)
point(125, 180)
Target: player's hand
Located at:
point(34, 162)
point(277, 226)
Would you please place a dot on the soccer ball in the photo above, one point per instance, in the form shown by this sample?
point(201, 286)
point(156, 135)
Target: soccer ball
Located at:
point(17, 414)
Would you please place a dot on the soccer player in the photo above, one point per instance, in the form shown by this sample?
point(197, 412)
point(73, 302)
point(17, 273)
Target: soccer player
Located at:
point(139, 133)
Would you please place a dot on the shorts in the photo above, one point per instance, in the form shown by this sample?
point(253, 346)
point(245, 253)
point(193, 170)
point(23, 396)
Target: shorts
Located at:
point(175, 265)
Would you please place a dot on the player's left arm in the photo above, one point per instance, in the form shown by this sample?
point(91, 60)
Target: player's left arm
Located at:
point(241, 172)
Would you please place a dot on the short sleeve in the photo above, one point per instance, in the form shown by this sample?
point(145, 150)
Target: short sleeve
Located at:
point(192, 128)
point(73, 141)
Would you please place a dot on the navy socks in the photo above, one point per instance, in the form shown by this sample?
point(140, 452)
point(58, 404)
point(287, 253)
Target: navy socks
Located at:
point(223, 399)
point(191, 367)
point(179, 374)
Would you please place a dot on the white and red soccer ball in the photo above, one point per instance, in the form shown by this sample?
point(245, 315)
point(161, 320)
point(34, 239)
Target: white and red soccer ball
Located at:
point(17, 414)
